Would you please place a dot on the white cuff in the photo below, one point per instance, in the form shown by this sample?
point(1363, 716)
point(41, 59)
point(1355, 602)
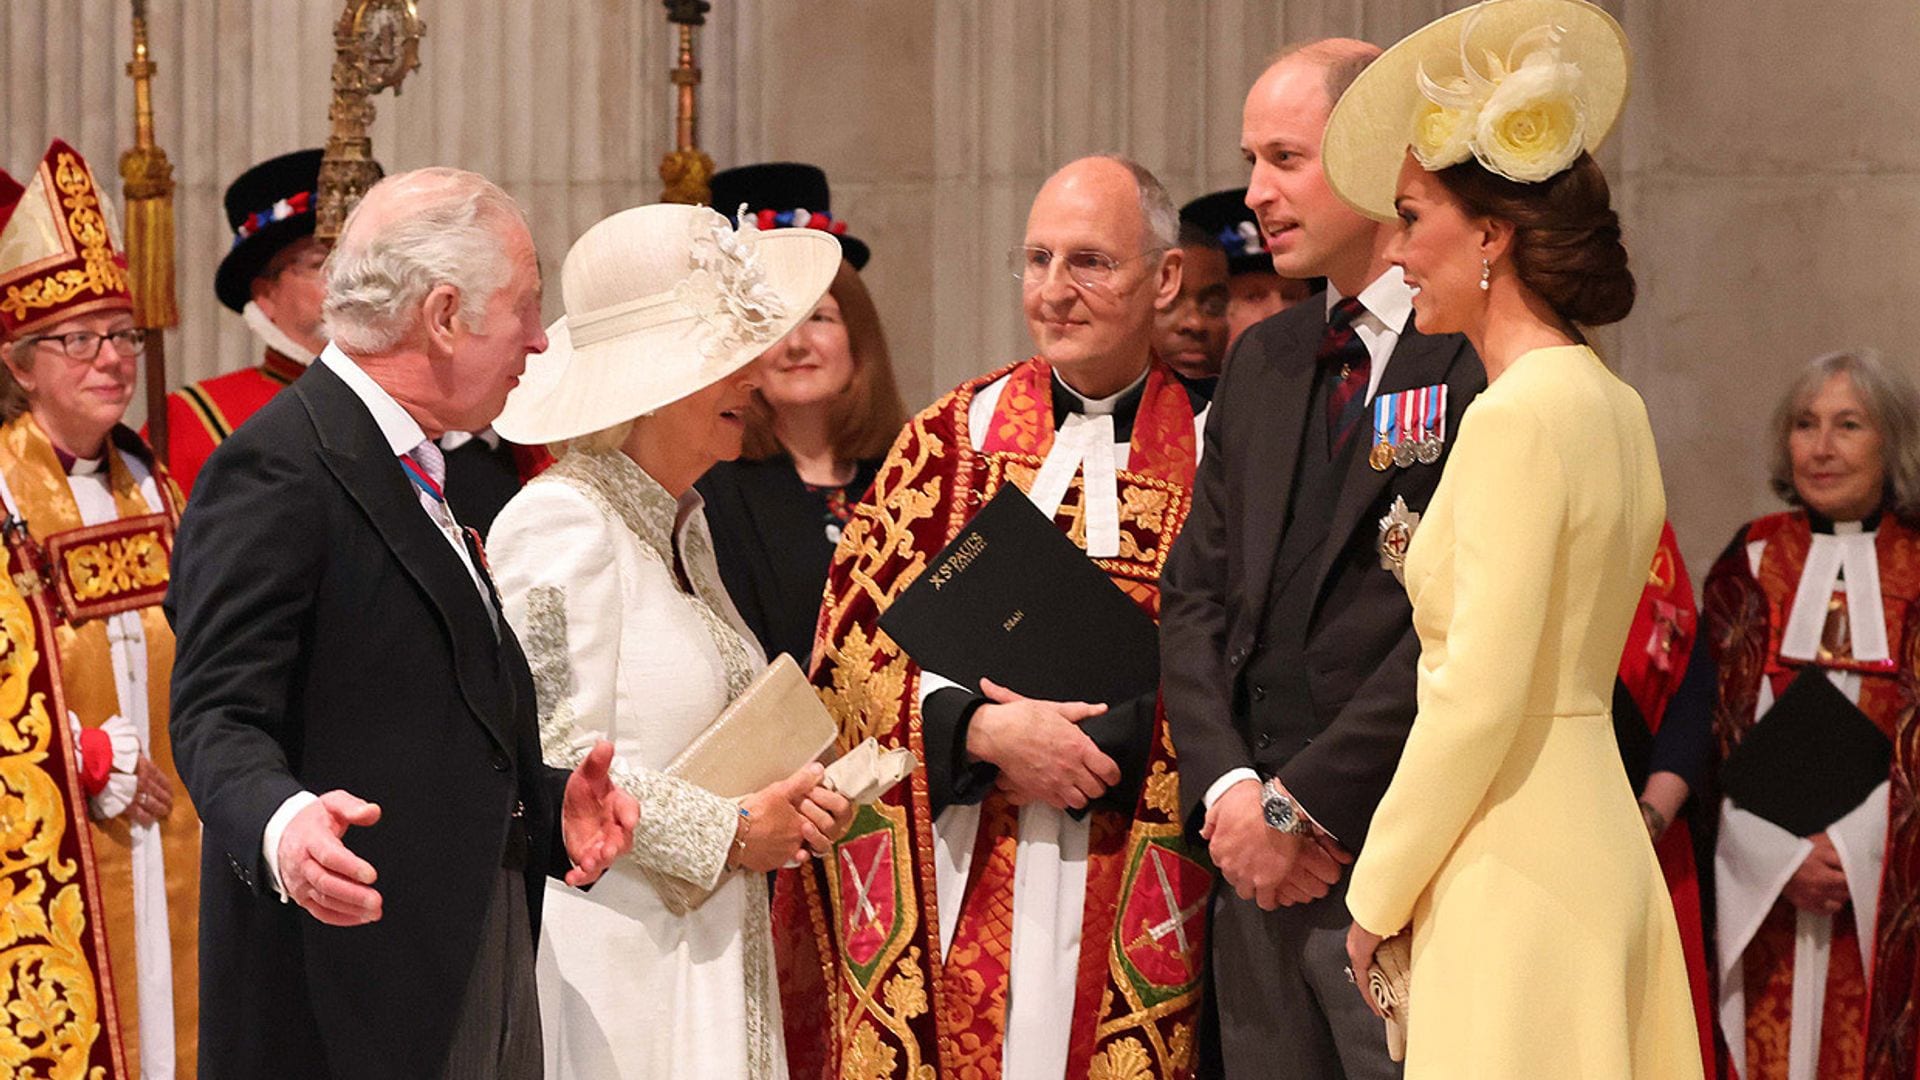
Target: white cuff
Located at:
point(123, 781)
point(276, 828)
point(932, 683)
point(1227, 780)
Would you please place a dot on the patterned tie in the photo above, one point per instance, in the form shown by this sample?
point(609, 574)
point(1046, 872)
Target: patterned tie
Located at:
point(1347, 366)
point(431, 461)
point(426, 467)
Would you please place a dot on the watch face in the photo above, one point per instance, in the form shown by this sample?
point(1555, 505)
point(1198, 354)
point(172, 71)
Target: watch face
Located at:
point(1280, 811)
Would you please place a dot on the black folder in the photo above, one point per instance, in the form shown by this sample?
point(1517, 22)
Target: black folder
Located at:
point(1810, 760)
point(1013, 600)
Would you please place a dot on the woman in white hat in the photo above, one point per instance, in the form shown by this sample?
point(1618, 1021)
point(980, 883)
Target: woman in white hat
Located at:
point(605, 570)
point(1543, 941)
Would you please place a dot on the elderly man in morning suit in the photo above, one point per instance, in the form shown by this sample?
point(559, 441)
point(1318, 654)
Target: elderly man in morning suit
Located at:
point(343, 664)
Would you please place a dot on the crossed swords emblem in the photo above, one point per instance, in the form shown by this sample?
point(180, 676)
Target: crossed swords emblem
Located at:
point(1175, 923)
point(865, 912)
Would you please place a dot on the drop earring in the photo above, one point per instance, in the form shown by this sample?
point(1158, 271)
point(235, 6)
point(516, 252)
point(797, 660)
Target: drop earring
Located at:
point(1486, 275)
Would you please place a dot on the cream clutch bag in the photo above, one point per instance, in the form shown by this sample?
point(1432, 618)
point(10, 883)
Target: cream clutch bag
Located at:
point(1387, 983)
point(775, 726)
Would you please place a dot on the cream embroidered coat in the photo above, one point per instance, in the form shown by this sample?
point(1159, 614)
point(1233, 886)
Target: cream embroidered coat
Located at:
point(1544, 943)
point(583, 558)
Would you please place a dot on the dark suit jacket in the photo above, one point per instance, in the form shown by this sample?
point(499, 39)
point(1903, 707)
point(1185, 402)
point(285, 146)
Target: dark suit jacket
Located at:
point(1361, 649)
point(330, 638)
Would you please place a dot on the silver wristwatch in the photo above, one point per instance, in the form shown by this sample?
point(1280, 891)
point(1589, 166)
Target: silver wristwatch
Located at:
point(1282, 813)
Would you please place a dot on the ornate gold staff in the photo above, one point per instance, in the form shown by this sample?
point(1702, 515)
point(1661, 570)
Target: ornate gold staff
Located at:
point(147, 178)
point(376, 43)
point(686, 169)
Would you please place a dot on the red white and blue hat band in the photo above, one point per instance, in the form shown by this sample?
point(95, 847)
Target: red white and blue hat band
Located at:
point(799, 218)
point(300, 202)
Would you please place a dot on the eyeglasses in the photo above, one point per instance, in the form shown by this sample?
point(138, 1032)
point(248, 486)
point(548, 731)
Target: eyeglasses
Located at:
point(1088, 269)
point(84, 345)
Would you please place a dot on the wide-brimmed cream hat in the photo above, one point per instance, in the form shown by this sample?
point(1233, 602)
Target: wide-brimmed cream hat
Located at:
point(662, 301)
point(1522, 85)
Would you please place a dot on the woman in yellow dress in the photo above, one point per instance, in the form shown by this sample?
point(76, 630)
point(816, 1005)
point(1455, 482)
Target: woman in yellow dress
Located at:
point(1543, 942)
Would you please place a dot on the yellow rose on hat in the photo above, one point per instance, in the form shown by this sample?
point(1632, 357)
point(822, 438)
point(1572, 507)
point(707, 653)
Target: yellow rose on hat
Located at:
point(1533, 125)
point(1443, 137)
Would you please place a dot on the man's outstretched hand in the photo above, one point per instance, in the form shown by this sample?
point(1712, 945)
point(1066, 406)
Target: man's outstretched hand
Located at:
point(596, 818)
point(318, 872)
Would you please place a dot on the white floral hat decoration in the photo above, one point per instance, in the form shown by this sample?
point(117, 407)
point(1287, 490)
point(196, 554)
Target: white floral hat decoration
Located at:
point(1522, 86)
point(662, 301)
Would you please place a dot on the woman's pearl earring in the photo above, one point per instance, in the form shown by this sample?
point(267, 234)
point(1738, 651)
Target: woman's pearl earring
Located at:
point(1486, 275)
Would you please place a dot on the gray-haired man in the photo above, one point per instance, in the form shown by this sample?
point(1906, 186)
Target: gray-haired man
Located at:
point(342, 663)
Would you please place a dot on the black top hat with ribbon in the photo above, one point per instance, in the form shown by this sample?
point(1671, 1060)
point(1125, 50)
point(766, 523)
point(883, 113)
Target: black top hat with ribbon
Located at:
point(270, 206)
point(784, 194)
point(1225, 217)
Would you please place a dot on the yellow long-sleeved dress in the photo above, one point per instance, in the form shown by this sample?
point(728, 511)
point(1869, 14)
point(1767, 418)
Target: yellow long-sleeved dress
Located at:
point(1544, 944)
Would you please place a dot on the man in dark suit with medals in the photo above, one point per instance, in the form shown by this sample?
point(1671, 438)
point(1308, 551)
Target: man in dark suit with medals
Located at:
point(343, 664)
point(1288, 652)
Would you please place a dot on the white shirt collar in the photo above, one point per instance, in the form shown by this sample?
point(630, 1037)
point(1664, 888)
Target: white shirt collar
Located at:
point(1386, 298)
point(454, 440)
point(400, 429)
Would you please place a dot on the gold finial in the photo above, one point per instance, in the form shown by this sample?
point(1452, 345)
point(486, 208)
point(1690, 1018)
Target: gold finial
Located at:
point(376, 45)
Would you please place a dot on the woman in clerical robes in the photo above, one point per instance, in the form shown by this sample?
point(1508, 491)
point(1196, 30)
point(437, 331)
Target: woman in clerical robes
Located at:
point(605, 569)
point(1819, 923)
point(822, 419)
point(91, 521)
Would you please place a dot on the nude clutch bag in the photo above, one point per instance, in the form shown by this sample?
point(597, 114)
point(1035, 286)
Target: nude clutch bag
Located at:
point(1387, 983)
point(776, 725)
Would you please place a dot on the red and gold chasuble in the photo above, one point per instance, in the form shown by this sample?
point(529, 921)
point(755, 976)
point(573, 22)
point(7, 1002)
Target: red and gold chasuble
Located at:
point(1658, 647)
point(75, 576)
point(865, 991)
point(1864, 1033)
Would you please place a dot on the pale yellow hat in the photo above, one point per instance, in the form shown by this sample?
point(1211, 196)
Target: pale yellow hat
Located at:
point(1521, 85)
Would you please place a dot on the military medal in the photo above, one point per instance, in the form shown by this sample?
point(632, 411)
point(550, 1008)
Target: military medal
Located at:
point(1396, 536)
point(1404, 450)
point(1433, 435)
point(1382, 454)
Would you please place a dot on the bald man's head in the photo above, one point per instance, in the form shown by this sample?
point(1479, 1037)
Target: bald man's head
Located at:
point(1099, 255)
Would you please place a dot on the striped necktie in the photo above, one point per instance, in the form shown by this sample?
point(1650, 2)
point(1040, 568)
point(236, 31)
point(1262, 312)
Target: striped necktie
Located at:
point(1347, 367)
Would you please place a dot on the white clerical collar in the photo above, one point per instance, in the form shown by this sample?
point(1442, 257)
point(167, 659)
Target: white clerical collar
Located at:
point(272, 336)
point(1108, 405)
point(397, 426)
point(87, 466)
point(1387, 298)
point(1843, 559)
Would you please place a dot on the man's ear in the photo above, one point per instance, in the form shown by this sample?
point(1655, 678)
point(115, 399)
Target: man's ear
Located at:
point(1167, 288)
point(438, 313)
